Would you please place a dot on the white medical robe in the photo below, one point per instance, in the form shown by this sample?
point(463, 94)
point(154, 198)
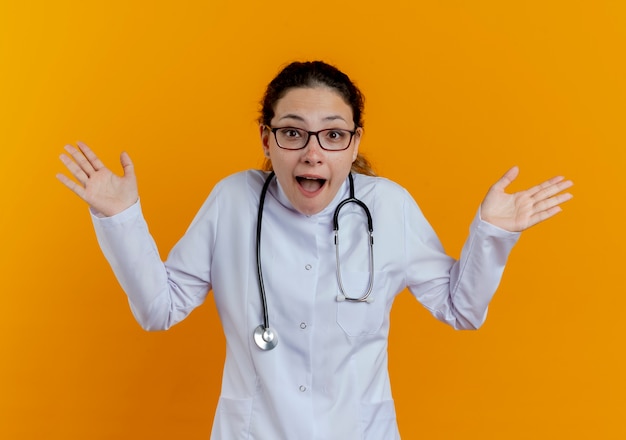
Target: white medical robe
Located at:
point(327, 378)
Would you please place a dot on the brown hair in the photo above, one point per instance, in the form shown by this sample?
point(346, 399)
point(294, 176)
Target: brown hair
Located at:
point(312, 74)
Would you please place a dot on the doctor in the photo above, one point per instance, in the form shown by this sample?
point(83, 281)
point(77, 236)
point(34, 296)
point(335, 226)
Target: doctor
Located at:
point(306, 320)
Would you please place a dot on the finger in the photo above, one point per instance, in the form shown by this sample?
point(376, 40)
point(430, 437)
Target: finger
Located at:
point(551, 202)
point(127, 164)
point(507, 178)
point(73, 186)
point(549, 188)
point(544, 185)
point(543, 215)
point(549, 208)
point(80, 159)
point(95, 162)
point(75, 169)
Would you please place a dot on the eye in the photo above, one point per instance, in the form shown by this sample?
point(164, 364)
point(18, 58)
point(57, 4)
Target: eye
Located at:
point(336, 135)
point(290, 133)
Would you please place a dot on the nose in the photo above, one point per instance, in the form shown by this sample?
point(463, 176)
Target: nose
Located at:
point(313, 152)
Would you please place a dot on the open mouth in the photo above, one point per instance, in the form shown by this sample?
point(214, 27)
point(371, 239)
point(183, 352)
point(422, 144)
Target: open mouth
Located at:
point(310, 184)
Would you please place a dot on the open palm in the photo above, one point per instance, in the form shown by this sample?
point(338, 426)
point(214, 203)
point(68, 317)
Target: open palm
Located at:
point(106, 192)
point(521, 210)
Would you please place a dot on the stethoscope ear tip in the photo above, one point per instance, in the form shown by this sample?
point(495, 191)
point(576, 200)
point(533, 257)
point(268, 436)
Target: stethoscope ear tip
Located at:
point(341, 298)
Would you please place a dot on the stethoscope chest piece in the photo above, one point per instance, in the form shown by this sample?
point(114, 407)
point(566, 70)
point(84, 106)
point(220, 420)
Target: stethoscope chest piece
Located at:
point(265, 338)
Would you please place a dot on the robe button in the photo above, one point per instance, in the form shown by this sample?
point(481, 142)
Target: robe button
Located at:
point(308, 267)
point(303, 325)
point(302, 388)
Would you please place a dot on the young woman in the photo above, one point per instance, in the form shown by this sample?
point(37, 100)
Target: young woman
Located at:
point(302, 289)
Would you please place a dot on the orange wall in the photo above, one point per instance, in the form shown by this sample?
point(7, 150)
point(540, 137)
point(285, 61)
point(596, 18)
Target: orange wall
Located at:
point(456, 93)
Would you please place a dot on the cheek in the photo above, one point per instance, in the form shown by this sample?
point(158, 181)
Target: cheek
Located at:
point(342, 168)
point(281, 161)
point(348, 159)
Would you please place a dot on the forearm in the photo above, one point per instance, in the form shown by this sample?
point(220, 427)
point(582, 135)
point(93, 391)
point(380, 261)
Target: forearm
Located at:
point(476, 276)
point(133, 255)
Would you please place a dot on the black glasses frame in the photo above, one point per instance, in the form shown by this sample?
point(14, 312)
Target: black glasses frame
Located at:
point(312, 133)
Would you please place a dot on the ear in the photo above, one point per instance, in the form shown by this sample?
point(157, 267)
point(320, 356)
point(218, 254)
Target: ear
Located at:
point(357, 142)
point(264, 132)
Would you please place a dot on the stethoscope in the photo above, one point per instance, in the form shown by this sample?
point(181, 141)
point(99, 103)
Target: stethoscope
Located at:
point(264, 336)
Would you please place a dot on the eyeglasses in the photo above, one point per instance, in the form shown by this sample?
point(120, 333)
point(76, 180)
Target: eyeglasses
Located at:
point(331, 139)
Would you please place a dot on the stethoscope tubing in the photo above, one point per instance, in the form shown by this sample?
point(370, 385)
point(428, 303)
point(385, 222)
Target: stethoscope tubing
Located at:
point(258, 249)
point(352, 199)
point(264, 336)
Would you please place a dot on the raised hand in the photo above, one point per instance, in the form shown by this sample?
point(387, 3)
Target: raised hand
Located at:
point(521, 210)
point(106, 192)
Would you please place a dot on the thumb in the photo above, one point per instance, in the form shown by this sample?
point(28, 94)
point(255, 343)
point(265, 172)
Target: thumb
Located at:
point(127, 164)
point(507, 178)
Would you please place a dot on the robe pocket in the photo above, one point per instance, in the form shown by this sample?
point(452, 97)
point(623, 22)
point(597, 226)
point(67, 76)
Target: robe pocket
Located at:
point(361, 318)
point(232, 418)
point(378, 421)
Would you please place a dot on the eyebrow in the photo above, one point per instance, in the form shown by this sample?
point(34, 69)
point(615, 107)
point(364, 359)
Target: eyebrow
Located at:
point(300, 118)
